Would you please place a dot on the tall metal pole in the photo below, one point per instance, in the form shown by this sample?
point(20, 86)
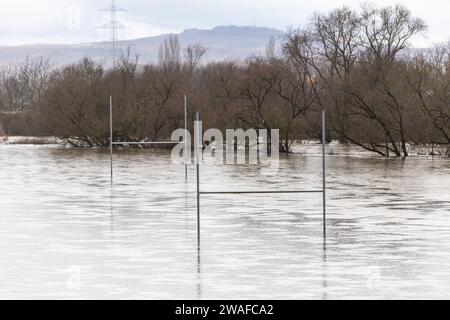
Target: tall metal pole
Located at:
point(185, 138)
point(323, 174)
point(197, 157)
point(111, 135)
point(113, 26)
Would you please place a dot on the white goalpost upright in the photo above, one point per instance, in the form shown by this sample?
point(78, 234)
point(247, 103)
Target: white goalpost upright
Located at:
point(185, 136)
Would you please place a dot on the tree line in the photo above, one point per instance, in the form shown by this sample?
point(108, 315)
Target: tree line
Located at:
point(379, 93)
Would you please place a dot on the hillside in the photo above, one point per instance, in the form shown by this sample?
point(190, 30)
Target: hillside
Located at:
point(223, 43)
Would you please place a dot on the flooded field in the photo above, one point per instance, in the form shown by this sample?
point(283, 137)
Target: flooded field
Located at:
point(66, 232)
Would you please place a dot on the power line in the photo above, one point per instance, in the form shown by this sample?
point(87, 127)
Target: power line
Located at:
point(113, 26)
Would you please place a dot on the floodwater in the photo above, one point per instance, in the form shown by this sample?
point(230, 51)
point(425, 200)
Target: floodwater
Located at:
point(66, 232)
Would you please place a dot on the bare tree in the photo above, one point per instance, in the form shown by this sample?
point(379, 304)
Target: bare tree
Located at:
point(428, 74)
point(194, 54)
point(169, 52)
point(271, 48)
point(355, 54)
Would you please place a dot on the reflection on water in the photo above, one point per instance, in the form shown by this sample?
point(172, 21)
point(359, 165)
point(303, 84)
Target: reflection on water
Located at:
point(65, 232)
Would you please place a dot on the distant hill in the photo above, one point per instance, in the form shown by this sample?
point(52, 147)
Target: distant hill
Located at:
point(223, 43)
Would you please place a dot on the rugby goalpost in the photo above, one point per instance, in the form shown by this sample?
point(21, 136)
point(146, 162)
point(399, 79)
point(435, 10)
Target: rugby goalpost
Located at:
point(200, 192)
point(197, 155)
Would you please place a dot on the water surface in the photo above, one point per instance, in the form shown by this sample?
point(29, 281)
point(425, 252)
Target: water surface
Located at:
point(65, 232)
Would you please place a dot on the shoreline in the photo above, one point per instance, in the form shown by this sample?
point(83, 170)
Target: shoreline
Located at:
point(419, 151)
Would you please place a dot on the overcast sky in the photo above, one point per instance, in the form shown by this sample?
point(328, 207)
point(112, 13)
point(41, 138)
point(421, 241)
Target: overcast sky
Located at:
point(72, 21)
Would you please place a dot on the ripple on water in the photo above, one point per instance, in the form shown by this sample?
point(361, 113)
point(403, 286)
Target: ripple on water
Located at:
point(66, 232)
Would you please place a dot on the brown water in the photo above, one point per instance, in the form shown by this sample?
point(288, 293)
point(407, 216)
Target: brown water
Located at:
point(65, 232)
